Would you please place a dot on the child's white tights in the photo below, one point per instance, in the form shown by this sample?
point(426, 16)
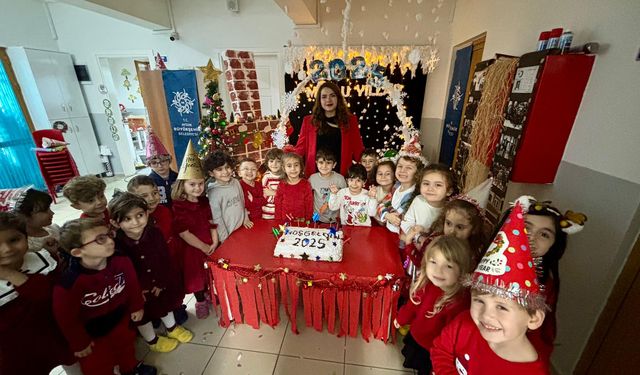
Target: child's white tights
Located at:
point(149, 334)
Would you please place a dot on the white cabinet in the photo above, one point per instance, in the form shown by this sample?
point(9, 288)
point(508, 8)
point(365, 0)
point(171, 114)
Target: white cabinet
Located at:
point(52, 93)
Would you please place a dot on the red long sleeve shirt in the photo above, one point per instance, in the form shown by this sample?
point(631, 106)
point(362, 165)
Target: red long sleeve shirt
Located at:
point(88, 303)
point(294, 200)
point(460, 349)
point(163, 219)
point(253, 199)
point(424, 329)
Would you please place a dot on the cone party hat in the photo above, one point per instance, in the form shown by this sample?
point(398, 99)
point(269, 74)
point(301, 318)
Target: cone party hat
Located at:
point(155, 148)
point(191, 168)
point(507, 269)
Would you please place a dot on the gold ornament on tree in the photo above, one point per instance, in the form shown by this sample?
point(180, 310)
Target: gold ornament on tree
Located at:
point(210, 72)
point(257, 140)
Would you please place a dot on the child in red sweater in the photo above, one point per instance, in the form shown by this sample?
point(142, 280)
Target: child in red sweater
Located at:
point(86, 193)
point(253, 192)
point(436, 298)
point(31, 341)
point(162, 218)
point(294, 197)
point(161, 287)
point(506, 302)
point(96, 299)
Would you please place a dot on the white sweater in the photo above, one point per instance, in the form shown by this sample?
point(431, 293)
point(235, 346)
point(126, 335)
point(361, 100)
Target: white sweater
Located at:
point(419, 213)
point(354, 209)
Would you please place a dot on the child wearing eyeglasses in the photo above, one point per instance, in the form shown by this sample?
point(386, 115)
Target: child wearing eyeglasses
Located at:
point(95, 300)
point(159, 160)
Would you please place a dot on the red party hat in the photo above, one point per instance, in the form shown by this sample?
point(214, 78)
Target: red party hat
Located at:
point(507, 268)
point(155, 148)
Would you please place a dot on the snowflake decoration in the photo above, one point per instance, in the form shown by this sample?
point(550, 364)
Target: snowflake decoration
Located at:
point(457, 96)
point(289, 102)
point(279, 138)
point(182, 102)
point(432, 61)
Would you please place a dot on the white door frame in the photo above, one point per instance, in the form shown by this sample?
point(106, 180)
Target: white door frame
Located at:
point(127, 159)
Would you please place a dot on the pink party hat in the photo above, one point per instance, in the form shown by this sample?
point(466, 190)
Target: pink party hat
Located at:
point(155, 148)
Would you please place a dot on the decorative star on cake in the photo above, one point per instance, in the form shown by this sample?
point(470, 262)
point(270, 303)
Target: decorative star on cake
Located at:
point(304, 256)
point(343, 276)
point(257, 267)
point(317, 257)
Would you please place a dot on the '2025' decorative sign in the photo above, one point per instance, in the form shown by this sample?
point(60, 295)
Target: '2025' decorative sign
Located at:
point(337, 70)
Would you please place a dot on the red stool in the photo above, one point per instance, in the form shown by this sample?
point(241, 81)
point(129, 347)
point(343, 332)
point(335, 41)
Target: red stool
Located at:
point(57, 167)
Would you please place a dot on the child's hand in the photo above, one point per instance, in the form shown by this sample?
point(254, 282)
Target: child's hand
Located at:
point(372, 192)
point(269, 193)
point(394, 218)
point(396, 324)
point(85, 352)
point(248, 223)
point(212, 248)
point(156, 291)
point(333, 188)
point(137, 316)
point(418, 228)
point(250, 196)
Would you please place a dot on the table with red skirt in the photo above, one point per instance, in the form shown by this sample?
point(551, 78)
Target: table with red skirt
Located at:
point(360, 291)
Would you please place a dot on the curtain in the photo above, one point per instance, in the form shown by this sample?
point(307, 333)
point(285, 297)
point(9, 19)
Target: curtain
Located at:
point(18, 163)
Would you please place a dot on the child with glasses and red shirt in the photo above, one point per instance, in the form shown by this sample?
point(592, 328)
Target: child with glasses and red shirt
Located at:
point(97, 297)
point(159, 160)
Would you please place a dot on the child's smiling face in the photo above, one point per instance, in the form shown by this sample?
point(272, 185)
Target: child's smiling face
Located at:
point(13, 246)
point(223, 173)
point(502, 321)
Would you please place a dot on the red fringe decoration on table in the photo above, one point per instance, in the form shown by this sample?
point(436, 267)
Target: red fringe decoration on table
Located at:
point(252, 298)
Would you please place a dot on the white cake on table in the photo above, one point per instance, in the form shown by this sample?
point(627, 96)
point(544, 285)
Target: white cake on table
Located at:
point(318, 244)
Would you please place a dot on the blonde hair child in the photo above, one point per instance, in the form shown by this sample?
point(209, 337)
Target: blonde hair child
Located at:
point(436, 298)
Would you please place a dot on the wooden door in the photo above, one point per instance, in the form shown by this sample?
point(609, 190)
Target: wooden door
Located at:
point(613, 346)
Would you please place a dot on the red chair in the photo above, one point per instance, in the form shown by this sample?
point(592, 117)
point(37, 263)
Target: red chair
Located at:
point(57, 167)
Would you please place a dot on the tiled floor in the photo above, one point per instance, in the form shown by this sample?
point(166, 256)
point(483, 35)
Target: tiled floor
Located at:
point(243, 350)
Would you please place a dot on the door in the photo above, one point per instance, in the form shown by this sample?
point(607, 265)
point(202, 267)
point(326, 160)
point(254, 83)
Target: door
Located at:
point(269, 82)
point(88, 144)
point(45, 74)
point(613, 345)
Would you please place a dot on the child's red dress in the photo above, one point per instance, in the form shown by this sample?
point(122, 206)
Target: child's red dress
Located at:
point(194, 217)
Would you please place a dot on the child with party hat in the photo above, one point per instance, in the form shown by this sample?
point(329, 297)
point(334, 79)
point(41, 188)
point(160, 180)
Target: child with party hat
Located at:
point(193, 223)
point(159, 160)
point(506, 302)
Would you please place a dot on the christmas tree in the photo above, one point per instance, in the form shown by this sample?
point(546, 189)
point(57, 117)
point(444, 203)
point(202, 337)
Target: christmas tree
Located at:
point(213, 133)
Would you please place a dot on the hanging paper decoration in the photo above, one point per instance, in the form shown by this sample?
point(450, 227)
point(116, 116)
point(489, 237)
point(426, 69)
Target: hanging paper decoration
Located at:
point(160, 62)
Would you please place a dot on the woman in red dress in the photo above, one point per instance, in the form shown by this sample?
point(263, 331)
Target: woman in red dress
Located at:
point(330, 127)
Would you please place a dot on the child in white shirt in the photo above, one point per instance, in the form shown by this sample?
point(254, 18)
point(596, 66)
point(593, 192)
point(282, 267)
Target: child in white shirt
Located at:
point(356, 204)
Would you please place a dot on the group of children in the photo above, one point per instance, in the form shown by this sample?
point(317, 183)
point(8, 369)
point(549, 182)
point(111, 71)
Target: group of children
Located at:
point(130, 261)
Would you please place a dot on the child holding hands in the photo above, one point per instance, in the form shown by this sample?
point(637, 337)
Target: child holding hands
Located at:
point(356, 205)
point(194, 226)
point(271, 180)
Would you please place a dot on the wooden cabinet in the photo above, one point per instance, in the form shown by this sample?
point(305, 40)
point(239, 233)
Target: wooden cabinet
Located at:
point(52, 94)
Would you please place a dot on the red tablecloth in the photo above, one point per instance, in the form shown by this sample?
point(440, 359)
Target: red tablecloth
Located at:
point(363, 288)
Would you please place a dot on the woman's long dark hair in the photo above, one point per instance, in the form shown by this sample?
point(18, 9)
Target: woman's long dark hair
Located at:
point(342, 112)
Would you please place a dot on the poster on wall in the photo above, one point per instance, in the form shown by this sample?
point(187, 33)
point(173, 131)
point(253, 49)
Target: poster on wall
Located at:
point(464, 146)
point(181, 94)
point(455, 103)
point(379, 123)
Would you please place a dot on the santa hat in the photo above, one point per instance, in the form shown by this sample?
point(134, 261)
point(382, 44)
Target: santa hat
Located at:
point(412, 149)
point(507, 269)
point(155, 148)
point(191, 168)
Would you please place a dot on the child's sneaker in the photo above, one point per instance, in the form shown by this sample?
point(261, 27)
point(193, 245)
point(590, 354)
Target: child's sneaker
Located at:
point(181, 334)
point(164, 344)
point(202, 309)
